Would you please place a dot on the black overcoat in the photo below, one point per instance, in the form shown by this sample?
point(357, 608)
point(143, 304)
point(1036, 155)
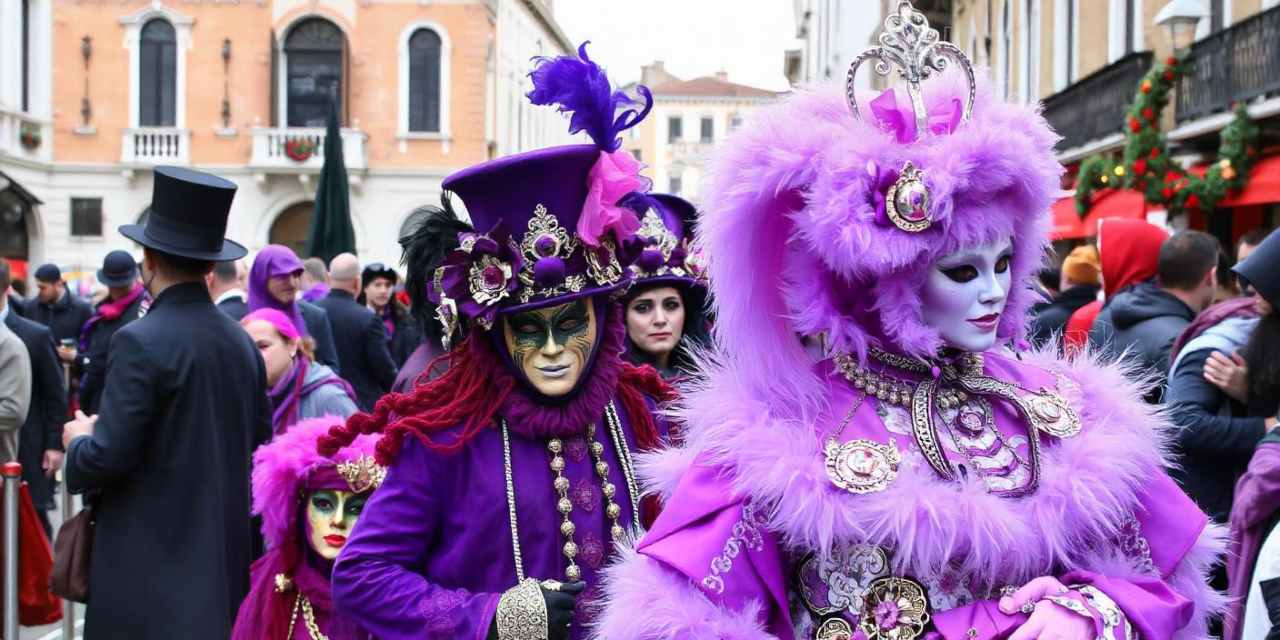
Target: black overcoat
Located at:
point(321, 330)
point(93, 360)
point(362, 347)
point(183, 409)
point(43, 429)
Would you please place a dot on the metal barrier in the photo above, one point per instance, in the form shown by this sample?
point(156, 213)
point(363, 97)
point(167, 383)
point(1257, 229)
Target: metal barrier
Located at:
point(12, 482)
point(68, 607)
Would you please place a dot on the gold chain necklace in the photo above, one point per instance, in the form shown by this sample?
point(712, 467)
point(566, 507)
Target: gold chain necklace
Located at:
point(308, 619)
point(564, 505)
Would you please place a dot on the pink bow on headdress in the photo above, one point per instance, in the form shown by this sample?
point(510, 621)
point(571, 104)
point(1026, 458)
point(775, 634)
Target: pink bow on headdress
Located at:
point(900, 119)
point(614, 175)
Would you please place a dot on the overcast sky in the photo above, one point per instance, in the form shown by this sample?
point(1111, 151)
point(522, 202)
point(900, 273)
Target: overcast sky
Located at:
point(694, 37)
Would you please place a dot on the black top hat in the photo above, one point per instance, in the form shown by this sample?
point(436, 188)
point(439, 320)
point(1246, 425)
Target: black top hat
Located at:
point(188, 217)
point(118, 269)
point(1262, 269)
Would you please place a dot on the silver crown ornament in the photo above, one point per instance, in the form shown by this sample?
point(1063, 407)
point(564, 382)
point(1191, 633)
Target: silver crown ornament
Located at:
point(909, 43)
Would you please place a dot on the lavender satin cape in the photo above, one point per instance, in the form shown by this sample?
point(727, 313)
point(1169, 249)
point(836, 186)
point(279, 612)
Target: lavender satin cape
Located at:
point(432, 551)
point(748, 495)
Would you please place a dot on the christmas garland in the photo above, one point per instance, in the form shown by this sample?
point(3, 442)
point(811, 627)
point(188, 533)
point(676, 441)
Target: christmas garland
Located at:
point(1145, 164)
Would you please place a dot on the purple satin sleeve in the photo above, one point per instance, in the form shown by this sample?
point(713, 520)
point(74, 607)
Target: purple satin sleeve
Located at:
point(983, 616)
point(378, 578)
point(721, 543)
point(1155, 611)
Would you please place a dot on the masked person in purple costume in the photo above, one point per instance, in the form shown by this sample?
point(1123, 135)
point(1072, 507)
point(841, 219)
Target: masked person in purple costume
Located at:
point(510, 476)
point(309, 504)
point(926, 481)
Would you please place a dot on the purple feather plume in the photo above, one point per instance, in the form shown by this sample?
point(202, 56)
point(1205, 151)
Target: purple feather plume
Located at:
point(579, 86)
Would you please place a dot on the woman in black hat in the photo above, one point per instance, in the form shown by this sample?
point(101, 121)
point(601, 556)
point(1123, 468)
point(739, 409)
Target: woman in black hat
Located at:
point(123, 304)
point(168, 453)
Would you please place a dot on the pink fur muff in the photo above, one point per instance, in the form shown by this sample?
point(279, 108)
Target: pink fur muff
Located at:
point(791, 232)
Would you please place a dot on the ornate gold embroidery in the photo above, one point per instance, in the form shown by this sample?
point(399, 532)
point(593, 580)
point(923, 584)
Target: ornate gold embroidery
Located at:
point(363, 474)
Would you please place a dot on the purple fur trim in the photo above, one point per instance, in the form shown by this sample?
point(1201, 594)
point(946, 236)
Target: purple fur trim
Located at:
point(281, 468)
point(789, 225)
point(580, 86)
point(1089, 483)
point(673, 609)
point(534, 419)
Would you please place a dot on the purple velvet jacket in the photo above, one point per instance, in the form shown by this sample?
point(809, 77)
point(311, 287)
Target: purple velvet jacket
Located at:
point(754, 536)
point(433, 549)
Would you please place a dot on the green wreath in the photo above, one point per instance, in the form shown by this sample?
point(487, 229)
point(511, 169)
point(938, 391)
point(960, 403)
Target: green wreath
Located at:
point(1145, 163)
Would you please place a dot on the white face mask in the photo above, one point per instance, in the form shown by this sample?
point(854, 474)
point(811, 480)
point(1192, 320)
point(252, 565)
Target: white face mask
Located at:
point(965, 293)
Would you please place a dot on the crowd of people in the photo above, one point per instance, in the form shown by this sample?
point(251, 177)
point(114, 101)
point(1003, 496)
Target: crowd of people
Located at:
point(530, 432)
point(1205, 343)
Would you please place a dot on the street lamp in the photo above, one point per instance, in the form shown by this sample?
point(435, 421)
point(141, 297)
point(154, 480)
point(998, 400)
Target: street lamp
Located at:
point(1180, 18)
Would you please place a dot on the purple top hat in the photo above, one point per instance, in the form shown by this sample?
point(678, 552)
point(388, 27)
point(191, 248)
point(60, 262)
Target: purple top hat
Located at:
point(662, 251)
point(549, 223)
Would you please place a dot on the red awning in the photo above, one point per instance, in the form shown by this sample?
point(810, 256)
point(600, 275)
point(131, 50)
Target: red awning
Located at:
point(1263, 186)
point(1107, 203)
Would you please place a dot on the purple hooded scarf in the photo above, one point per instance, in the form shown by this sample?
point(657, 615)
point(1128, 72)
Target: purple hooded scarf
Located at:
point(274, 260)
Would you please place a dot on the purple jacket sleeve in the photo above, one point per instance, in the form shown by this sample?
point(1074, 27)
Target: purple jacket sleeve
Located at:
point(378, 578)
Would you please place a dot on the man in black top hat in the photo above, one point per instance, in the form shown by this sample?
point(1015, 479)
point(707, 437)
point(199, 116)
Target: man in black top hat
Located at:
point(124, 303)
point(184, 407)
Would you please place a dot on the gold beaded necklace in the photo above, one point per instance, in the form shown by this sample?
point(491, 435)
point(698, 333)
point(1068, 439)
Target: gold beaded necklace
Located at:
point(308, 619)
point(564, 505)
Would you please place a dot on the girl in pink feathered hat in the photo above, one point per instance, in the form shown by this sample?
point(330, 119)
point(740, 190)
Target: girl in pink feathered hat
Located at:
point(933, 478)
point(309, 504)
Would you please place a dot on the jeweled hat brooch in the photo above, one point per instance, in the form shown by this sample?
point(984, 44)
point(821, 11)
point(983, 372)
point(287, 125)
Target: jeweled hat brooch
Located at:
point(903, 197)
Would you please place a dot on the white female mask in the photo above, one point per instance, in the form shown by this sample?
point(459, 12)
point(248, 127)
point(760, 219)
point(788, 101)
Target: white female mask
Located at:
point(965, 294)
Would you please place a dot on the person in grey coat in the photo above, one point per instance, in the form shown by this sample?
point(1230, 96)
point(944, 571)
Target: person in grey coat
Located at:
point(15, 391)
point(167, 458)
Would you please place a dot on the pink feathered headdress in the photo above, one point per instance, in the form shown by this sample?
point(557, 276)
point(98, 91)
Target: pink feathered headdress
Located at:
point(287, 466)
point(799, 242)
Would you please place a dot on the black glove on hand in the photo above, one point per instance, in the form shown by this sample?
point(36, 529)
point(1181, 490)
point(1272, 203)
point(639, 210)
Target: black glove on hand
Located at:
point(560, 606)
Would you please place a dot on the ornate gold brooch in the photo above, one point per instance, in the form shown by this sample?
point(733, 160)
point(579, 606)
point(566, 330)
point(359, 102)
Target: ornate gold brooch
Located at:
point(862, 466)
point(895, 609)
point(363, 474)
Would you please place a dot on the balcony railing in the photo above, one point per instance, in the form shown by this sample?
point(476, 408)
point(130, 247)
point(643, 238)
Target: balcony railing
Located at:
point(1234, 65)
point(149, 146)
point(24, 136)
point(270, 148)
point(1094, 107)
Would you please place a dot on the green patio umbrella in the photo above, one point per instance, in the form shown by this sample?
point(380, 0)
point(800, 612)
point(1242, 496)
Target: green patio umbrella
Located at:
point(331, 232)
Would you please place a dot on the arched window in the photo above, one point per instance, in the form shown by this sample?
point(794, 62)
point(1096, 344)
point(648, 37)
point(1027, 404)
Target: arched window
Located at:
point(158, 74)
point(314, 53)
point(424, 81)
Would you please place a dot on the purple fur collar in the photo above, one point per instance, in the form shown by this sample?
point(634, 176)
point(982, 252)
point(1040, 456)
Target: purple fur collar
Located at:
point(533, 417)
point(1088, 483)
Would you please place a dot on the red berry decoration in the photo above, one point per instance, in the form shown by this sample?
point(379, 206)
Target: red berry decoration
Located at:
point(1140, 166)
point(1148, 113)
point(1193, 201)
point(1146, 86)
point(1171, 61)
point(1168, 76)
point(1155, 152)
point(1134, 125)
point(1166, 193)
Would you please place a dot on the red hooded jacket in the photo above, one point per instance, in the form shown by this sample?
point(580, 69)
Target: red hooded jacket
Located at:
point(1129, 251)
